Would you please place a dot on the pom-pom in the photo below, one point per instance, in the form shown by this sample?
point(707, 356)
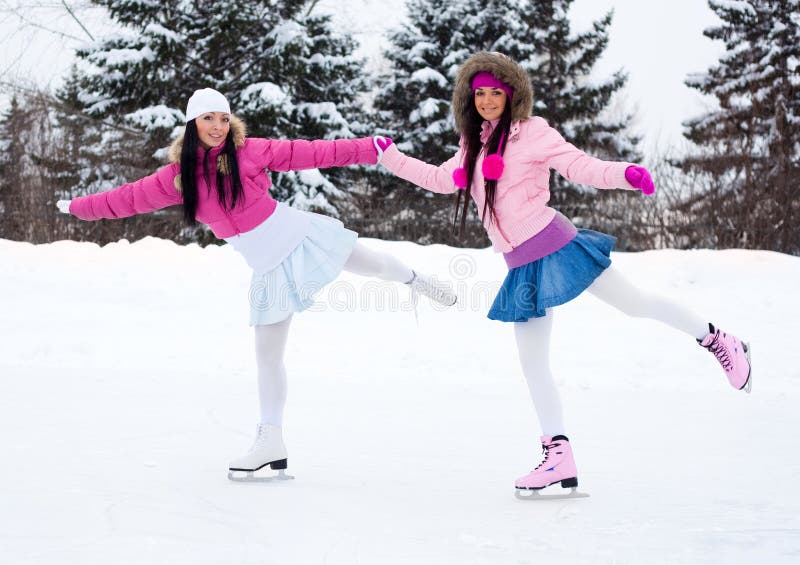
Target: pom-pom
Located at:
point(460, 177)
point(493, 167)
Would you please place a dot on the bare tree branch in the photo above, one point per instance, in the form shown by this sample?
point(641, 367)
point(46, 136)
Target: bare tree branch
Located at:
point(24, 14)
point(61, 34)
point(13, 87)
point(74, 17)
point(12, 64)
point(311, 7)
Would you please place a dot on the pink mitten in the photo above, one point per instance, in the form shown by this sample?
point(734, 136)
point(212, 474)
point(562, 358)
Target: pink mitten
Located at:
point(639, 178)
point(381, 144)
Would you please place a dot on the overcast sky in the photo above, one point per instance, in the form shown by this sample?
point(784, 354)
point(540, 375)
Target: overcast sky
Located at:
point(656, 42)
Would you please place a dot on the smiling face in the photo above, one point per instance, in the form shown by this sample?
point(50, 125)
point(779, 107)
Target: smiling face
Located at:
point(213, 128)
point(490, 102)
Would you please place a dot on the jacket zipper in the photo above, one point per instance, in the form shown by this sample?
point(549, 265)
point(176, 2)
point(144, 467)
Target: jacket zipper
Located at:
point(514, 131)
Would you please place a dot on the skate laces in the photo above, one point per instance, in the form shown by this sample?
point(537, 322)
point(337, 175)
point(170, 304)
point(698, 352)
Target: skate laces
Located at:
point(261, 438)
point(721, 352)
point(414, 297)
point(427, 286)
point(423, 286)
point(439, 293)
point(546, 451)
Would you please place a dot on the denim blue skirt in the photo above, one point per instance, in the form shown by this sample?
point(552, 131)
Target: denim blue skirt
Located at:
point(555, 279)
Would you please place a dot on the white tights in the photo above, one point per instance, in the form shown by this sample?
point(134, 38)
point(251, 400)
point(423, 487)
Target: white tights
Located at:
point(270, 345)
point(271, 339)
point(533, 339)
point(368, 263)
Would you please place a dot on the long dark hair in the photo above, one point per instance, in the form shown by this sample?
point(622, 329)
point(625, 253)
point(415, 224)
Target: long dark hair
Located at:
point(473, 147)
point(228, 181)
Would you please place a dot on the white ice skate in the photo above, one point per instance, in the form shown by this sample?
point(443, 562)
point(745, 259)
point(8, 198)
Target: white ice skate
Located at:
point(438, 291)
point(268, 449)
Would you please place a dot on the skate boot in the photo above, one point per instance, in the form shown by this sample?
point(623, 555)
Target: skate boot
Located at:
point(438, 291)
point(268, 449)
point(732, 354)
point(558, 466)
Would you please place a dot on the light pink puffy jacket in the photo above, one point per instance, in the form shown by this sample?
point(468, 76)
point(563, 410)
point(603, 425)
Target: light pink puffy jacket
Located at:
point(523, 190)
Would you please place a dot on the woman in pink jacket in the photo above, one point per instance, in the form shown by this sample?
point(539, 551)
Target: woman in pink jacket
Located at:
point(221, 178)
point(503, 164)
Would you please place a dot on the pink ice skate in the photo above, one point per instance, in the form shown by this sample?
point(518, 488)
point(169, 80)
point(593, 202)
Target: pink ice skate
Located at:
point(558, 466)
point(732, 354)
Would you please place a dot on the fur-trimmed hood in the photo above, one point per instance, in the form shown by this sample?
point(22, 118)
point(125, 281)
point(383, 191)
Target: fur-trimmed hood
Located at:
point(504, 69)
point(238, 128)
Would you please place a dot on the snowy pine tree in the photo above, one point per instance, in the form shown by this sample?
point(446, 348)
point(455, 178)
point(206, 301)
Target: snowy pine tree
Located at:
point(414, 100)
point(283, 69)
point(413, 107)
point(559, 65)
point(12, 154)
point(414, 103)
point(750, 144)
point(101, 155)
point(30, 145)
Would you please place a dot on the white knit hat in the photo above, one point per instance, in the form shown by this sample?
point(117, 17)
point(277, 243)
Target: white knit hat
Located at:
point(206, 100)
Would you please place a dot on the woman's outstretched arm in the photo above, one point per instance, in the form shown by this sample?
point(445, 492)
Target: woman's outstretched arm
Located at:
point(156, 191)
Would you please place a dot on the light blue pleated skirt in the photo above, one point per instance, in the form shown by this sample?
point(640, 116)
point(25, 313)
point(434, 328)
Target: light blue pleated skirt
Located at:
point(529, 290)
point(292, 285)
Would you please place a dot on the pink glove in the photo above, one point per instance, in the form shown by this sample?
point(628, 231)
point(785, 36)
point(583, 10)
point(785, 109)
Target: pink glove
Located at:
point(381, 144)
point(639, 178)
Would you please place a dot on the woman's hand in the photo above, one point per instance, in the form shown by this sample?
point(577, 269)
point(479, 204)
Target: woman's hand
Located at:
point(63, 206)
point(638, 177)
point(381, 144)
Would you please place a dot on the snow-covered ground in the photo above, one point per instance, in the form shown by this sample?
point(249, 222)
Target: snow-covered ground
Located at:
point(127, 382)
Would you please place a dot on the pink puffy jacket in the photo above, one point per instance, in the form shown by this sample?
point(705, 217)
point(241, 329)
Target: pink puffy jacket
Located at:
point(523, 190)
point(255, 156)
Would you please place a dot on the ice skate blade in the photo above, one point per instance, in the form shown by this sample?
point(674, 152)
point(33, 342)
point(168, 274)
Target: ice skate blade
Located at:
point(530, 494)
point(250, 477)
point(749, 384)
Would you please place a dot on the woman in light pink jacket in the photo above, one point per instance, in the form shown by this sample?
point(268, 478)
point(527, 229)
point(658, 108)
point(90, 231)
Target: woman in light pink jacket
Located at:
point(503, 164)
point(221, 178)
